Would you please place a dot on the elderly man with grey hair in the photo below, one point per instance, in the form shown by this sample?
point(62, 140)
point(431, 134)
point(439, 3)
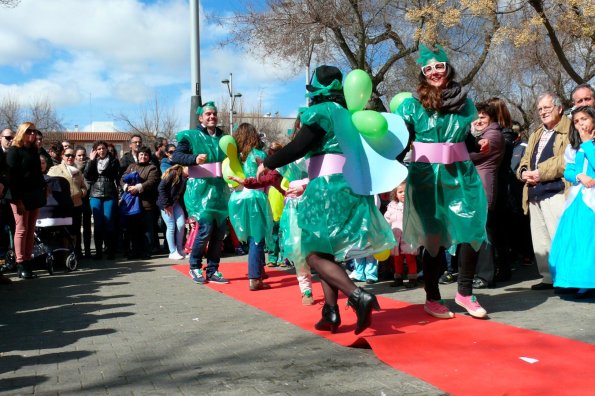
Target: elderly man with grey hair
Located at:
point(542, 170)
point(583, 95)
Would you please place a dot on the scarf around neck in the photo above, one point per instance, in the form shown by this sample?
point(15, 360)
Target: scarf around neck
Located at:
point(454, 98)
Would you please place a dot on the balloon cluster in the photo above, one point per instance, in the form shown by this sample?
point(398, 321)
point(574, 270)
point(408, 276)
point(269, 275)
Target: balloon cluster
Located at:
point(231, 165)
point(357, 89)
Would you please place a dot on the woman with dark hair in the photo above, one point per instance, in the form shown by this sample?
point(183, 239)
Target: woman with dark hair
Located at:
point(504, 224)
point(488, 165)
point(101, 172)
point(336, 224)
point(572, 258)
point(446, 205)
point(140, 226)
point(26, 193)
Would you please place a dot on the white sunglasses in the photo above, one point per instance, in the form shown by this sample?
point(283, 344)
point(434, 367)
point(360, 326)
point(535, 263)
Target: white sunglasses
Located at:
point(439, 67)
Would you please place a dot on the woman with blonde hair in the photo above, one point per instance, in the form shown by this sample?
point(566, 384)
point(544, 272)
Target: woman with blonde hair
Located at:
point(26, 193)
point(78, 190)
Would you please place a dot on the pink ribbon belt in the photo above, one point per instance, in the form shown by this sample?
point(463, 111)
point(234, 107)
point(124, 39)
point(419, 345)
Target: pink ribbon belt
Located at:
point(212, 169)
point(324, 165)
point(439, 153)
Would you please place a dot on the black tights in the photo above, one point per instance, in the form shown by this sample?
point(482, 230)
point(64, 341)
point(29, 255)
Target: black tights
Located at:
point(332, 277)
point(432, 267)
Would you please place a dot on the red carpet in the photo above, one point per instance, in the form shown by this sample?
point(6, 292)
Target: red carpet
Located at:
point(462, 356)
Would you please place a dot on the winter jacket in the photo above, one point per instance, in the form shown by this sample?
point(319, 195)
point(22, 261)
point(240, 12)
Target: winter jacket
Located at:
point(394, 217)
point(552, 168)
point(149, 175)
point(103, 185)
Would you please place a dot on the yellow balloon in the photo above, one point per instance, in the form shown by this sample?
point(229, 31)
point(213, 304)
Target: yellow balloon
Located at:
point(276, 200)
point(381, 256)
point(230, 166)
point(284, 184)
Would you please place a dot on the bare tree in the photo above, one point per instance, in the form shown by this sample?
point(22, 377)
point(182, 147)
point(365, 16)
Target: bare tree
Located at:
point(9, 3)
point(41, 112)
point(153, 119)
point(356, 34)
point(11, 113)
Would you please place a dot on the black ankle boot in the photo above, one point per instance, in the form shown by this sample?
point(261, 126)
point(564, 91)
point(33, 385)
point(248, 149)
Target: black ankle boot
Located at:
point(330, 320)
point(24, 270)
point(363, 303)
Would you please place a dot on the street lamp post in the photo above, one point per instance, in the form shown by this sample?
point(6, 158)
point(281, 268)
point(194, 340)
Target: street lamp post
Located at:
point(232, 99)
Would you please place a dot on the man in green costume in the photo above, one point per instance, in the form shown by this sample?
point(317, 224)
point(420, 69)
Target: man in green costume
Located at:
point(206, 193)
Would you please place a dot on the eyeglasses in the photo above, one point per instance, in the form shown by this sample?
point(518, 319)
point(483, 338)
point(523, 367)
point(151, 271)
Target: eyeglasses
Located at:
point(439, 67)
point(9, 138)
point(171, 151)
point(545, 109)
point(69, 155)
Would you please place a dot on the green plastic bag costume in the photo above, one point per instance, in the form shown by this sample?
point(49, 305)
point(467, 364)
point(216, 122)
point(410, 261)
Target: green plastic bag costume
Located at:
point(291, 234)
point(205, 198)
point(445, 203)
point(249, 210)
point(334, 219)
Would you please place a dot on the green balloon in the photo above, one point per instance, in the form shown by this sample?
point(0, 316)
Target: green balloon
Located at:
point(370, 123)
point(398, 99)
point(226, 140)
point(357, 89)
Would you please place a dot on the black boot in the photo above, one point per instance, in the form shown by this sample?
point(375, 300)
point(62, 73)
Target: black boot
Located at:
point(24, 270)
point(363, 303)
point(330, 320)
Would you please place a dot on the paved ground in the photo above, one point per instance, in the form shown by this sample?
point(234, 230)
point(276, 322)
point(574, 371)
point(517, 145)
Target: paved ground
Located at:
point(140, 328)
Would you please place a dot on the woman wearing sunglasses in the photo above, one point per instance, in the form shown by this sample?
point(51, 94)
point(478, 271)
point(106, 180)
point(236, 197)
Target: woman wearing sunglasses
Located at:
point(78, 190)
point(26, 193)
point(447, 206)
point(166, 163)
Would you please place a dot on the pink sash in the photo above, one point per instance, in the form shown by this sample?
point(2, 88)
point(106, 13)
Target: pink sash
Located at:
point(212, 169)
point(324, 165)
point(439, 153)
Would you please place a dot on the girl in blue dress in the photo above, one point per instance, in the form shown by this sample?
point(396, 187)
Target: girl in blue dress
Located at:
point(572, 258)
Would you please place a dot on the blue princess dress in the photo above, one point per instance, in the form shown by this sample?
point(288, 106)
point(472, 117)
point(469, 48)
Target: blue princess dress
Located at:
point(572, 257)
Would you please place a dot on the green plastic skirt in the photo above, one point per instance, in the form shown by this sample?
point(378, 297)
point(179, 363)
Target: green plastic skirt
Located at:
point(250, 215)
point(335, 220)
point(445, 206)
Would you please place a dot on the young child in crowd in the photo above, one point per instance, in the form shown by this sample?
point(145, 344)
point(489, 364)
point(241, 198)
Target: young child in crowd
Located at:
point(365, 270)
point(572, 257)
point(402, 252)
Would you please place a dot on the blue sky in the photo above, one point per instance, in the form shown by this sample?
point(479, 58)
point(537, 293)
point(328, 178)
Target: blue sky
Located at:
point(95, 58)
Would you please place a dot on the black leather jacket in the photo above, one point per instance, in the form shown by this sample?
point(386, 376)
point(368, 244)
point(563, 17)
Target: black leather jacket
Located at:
point(103, 185)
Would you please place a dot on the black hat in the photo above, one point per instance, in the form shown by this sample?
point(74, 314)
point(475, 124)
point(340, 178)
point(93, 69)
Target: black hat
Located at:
point(324, 77)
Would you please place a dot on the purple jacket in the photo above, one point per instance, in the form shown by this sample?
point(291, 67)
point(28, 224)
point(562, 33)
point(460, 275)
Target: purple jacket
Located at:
point(487, 164)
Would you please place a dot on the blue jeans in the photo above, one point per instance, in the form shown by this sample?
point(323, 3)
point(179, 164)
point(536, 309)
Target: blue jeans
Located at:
point(255, 258)
point(103, 222)
point(366, 268)
point(174, 235)
point(212, 234)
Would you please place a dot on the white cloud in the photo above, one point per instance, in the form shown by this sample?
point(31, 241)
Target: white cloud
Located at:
point(119, 53)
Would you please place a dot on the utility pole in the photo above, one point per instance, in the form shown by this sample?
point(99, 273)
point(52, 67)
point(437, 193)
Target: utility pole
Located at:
point(195, 99)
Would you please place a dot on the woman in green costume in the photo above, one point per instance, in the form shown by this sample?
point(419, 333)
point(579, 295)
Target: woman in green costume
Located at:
point(336, 223)
point(249, 211)
point(446, 204)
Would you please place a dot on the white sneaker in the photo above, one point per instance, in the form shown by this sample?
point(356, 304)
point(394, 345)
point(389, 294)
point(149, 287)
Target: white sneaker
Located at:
point(176, 256)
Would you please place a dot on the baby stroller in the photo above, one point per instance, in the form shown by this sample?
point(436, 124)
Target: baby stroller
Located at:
point(53, 241)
